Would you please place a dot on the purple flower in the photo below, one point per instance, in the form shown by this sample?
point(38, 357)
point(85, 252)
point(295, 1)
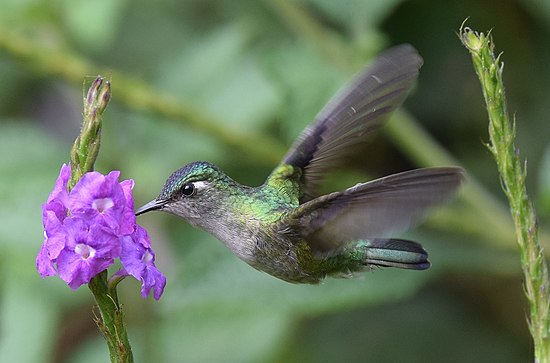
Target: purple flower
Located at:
point(59, 191)
point(54, 212)
point(128, 217)
point(86, 229)
point(138, 260)
point(89, 249)
point(103, 199)
point(44, 264)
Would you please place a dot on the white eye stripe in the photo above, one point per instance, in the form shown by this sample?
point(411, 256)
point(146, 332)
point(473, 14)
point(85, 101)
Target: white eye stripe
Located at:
point(199, 185)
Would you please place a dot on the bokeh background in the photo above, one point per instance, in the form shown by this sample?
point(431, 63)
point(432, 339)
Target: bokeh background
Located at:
point(234, 82)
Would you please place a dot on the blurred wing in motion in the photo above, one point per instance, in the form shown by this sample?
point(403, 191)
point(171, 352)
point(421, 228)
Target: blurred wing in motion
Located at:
point(374, 210)
point(355, 111)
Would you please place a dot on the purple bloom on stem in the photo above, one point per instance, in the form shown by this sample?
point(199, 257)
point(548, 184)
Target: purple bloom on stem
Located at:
point(138, 260)
point(129, 218)
point(101, 198)
point(86, 229)
point(54, 212)
point(54, 242)
point(57, 200)
point(89, 249)
point(53, 228)
point(59, 191)
point(44, 264)
point(53, 215)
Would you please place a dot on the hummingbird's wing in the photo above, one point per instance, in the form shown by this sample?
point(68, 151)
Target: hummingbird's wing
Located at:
point(356, 110)
point(376, 209)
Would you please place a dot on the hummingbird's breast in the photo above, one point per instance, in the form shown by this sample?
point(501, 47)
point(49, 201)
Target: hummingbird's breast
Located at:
point(268, 245)
point(251, 223)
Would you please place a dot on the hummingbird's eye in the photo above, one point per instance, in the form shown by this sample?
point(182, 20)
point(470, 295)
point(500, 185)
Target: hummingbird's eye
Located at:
point(188, 189)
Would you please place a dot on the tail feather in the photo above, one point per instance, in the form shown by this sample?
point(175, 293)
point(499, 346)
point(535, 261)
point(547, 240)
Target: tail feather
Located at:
point(396, 253)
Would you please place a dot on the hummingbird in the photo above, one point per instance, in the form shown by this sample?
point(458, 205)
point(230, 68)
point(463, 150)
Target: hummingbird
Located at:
point(286, 227)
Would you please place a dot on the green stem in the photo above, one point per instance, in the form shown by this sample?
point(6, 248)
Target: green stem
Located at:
point(111, 323)
point(513, 173)
point(83, 156)
point(86, 146)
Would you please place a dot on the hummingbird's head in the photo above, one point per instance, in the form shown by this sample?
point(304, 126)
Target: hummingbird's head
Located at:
point(191, 192)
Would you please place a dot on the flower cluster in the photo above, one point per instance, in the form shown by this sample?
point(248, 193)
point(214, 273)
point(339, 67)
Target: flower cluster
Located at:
point(86, 229)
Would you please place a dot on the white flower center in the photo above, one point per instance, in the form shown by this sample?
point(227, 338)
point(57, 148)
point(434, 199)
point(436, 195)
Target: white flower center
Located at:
point(84, 251)
point(102, 204)
point(147, 258)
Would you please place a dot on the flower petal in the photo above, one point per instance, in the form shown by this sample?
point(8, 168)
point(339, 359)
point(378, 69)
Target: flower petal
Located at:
point(138, 261)
point(51, 221)
point(152, 278)
point(88, 251)
point(43, 263)
point(127, 186)
point(100, 198)
point(130, 256)
point(72, 269)
point(128, 221)
point(54, 245)
point(59, 191)
point(140, 236)
point(105, 241)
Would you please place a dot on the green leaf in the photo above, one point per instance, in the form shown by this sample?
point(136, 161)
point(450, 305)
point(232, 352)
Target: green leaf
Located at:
point(27, 320)
point(29, 170)
point(357, 13)
point(306, 80)
point(93, 23)
point(217, 74)
point(433, 325)
point(91, 351)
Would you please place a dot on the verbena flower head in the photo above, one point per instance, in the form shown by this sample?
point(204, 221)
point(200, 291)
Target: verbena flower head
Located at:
point(54, 212)
point(101, 199)
point(87, 229)
point(138, 260)
point(89, 249)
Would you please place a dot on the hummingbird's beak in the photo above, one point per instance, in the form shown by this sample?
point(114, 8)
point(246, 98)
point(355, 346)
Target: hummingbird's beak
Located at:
point(152, 205)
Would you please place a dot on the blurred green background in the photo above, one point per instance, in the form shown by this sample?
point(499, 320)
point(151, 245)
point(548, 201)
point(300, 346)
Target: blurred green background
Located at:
point(234, 82)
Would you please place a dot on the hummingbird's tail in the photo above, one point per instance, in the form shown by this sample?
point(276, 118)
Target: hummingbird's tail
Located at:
point(396, 253)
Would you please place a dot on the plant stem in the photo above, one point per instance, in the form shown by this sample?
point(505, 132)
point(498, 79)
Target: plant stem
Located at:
point(83, 156)
point(86, 146)
point(512, 173)
point(111, 323)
